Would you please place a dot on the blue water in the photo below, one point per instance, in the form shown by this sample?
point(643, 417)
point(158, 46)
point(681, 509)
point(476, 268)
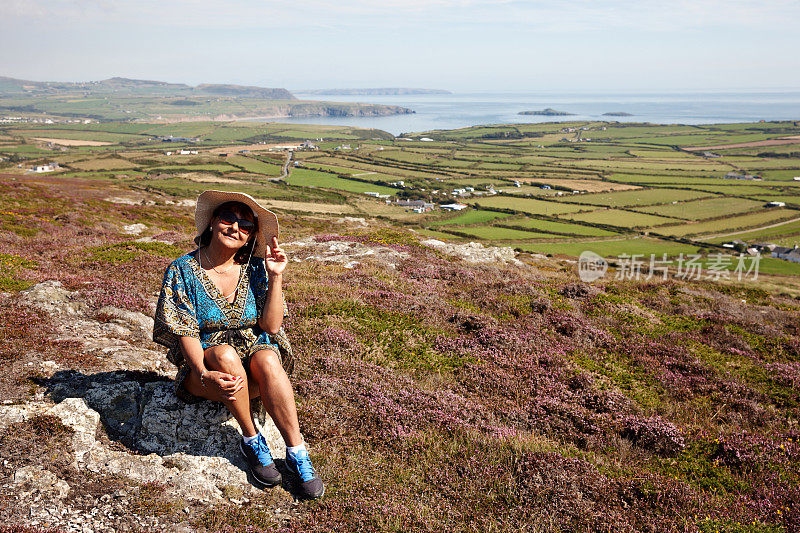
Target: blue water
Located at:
point(459, 110)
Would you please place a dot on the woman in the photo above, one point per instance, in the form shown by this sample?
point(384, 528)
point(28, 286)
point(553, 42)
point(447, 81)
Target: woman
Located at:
point(220, 314)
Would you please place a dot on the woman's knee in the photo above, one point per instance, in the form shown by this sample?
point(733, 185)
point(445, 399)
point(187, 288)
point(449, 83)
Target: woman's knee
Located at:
point(224, 358)
point(266, 364)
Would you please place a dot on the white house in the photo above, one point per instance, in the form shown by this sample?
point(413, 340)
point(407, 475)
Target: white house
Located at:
point(454, 207)
point(47, 167)
point(796, 178)
point(776, 204)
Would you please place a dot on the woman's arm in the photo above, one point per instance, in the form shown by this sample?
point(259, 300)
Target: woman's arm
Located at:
point(193, 354)
point(272, 315)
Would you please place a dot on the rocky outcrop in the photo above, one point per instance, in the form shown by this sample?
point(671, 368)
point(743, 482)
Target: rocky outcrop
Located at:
point(474, 252)
point(193, 447)
point(346, 253)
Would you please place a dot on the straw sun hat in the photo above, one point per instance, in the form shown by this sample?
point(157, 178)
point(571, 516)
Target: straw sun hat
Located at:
point(266, 221)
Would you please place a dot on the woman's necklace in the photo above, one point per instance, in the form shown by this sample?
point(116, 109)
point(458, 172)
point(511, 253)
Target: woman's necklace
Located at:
point(214, 268)
point(223, 272)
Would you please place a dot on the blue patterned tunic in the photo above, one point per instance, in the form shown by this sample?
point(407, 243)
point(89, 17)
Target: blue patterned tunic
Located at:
point(190, 305)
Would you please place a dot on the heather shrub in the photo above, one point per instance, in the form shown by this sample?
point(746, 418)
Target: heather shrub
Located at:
point(653, 434)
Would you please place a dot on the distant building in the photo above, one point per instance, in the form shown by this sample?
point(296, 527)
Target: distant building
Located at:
point(787, 254)
point(427, 206)
point(776, 204)
point(454, 207)
point(47, 167)
point(764, 246)
point(737, 176)
point(796, 178)
point(425, 139)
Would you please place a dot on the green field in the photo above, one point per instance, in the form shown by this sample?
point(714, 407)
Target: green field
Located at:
point(536, 224)
point(638, 197)
point(620, 218)
point(725, 225)
point(310, 178)
point(609, 248)
point(701, 209)
point(527, 205)
point(470, 216)
point(768, 234)
point(681, 193)
point(250, 164)
point(495, 233)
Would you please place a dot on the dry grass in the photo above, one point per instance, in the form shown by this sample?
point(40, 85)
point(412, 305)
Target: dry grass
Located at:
point(72, 142)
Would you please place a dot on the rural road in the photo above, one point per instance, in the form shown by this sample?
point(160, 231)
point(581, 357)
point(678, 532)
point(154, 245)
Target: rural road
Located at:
point(747, 230)
point(285, 169)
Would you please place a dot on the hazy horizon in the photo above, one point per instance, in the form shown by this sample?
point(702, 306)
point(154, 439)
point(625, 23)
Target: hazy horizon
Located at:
point(602, 46)
point(463, 92)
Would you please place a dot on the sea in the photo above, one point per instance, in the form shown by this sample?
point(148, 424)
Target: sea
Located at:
point(458, 110)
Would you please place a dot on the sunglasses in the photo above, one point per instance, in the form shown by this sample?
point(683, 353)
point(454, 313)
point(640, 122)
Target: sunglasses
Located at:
point(245, 226)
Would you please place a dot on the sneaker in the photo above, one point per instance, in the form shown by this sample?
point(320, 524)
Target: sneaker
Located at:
point(260, 461)
point(300, 464)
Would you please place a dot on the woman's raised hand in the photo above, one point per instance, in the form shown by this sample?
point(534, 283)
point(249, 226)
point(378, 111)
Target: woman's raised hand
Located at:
point(275, 257)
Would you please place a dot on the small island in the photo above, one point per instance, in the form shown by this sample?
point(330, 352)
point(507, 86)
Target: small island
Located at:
point(617, 114)
point(548, 112)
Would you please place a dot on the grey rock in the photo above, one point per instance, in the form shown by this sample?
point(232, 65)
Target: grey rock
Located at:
point(74, 413)
point(119, 404)
point(12, 414)
point(194, 447)
point(474, 252)
point(140, 321)
point(52, 297)
point(133, 229)
point(346, 253)
point(44, 481)
point(357, 221)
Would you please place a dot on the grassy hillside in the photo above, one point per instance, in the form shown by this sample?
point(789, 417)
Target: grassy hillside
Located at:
point(444, 395)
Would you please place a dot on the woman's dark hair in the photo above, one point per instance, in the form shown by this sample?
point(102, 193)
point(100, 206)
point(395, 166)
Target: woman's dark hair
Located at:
point(244, 252)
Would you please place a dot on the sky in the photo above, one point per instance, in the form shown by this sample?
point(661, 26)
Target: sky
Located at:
point(460, 45)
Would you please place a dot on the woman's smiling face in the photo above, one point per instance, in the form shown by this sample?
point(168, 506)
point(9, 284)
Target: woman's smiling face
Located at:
point(227, 229)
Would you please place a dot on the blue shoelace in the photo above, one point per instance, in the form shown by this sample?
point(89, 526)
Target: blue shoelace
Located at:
point(302, 463)
point(261, 450)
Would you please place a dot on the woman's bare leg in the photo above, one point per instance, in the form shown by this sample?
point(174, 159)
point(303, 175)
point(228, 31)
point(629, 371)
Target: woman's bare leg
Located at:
point(224, 358)
point(276, 394)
